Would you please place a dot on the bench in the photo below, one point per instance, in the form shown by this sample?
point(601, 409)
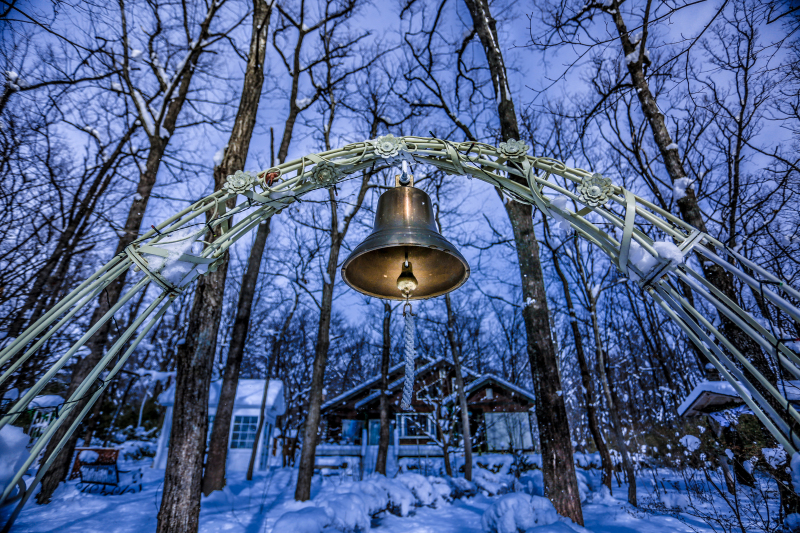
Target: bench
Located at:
point(99, 473)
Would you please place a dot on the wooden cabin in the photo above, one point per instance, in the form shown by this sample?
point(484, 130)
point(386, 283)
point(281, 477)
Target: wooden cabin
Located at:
point(500, 413)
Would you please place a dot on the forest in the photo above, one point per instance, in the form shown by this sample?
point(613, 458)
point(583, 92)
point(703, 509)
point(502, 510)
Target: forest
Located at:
point(116, 117)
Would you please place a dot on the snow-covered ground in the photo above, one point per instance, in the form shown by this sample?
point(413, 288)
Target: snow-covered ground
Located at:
point(258, 506)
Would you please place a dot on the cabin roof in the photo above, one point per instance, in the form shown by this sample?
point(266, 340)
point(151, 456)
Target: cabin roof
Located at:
point(477, 381)
point(708, 397)
point(249, 393)
point(487, 378)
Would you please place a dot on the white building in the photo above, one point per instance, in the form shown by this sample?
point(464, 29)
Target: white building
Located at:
point(243, 424)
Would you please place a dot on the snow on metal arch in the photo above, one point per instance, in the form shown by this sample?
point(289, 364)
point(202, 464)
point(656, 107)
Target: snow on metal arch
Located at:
point(164, 255)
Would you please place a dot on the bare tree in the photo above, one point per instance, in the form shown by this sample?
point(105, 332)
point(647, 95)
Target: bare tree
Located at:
point(234, 159)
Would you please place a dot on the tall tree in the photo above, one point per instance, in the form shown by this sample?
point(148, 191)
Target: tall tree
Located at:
point(159, 127)
point(560, 481)
point(234, 159)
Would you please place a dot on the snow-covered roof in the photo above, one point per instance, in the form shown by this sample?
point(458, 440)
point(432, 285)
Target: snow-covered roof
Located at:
point(709, 396)
point(397, 383)
point(355, 390)
point(45, 401)
point(249, 393)
point(500, 381)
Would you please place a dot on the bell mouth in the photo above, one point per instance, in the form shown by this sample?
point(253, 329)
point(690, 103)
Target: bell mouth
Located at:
point(374, 272)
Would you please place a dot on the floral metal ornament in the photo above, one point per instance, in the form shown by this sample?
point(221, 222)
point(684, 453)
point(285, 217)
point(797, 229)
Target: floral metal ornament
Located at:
point(325, 174)
point(389, 146)
point(595, 190)
point(513, 149)
point(240, 182)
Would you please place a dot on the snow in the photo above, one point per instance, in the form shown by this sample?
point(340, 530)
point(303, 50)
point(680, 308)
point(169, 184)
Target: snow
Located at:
point(716, 387)
point(518, 512)
point(679, 188)
point(302, 103)
point(795, 466)
point(672, 146)
point(690, 442)
point(669, 251)
point(176, 244)
point(88, 456)
point(266, 505)
point(12, 452)
point(561, 203)
point(774, 456)
point(46, 400)
point(308, 520)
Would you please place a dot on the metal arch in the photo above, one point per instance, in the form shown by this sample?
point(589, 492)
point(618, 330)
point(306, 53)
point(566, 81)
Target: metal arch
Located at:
point(493, 165)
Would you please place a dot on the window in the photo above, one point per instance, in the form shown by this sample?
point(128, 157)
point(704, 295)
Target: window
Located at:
point(244, 432)
point(506, 431)
point(417, 426)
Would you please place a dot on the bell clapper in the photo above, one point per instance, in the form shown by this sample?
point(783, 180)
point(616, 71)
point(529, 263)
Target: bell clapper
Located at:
point(406, 282)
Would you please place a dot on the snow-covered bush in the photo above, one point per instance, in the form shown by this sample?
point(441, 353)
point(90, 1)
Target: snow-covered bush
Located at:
point(516, 512)
point(490, 483)
point(135, 450)
point(308, 520)
point(401, 499)
point(348, 511)
point(461, 488)
point(442, 490)
point(12, 452)
point(420, 486)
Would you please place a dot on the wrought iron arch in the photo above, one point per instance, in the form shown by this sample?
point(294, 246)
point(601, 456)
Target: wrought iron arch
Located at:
point(270, 191)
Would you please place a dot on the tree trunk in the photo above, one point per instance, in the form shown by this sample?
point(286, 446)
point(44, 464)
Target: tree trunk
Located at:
point(310, 429)
point(214, 477)
point(383, 442)
point(96, 345)
point(586, 378)
point(276, 348)
point(462, 395)
point(560, 481)
point(180, 505)
point(688, 206)
point(613, 411)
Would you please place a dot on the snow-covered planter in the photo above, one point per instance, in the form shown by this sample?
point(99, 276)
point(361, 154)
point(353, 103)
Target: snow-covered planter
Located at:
point(518, 512)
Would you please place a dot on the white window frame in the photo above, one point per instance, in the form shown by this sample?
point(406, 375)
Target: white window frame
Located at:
point(402, 426)
point(247, 439)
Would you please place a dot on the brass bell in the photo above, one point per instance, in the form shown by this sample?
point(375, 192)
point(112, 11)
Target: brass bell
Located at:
point(405, 256)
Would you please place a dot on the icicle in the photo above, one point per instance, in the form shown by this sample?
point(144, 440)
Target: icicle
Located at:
point(411, 355)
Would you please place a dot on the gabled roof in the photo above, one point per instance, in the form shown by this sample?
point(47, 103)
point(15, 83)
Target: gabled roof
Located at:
point(398, 382)
point(478, 383)
point(355, 390)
